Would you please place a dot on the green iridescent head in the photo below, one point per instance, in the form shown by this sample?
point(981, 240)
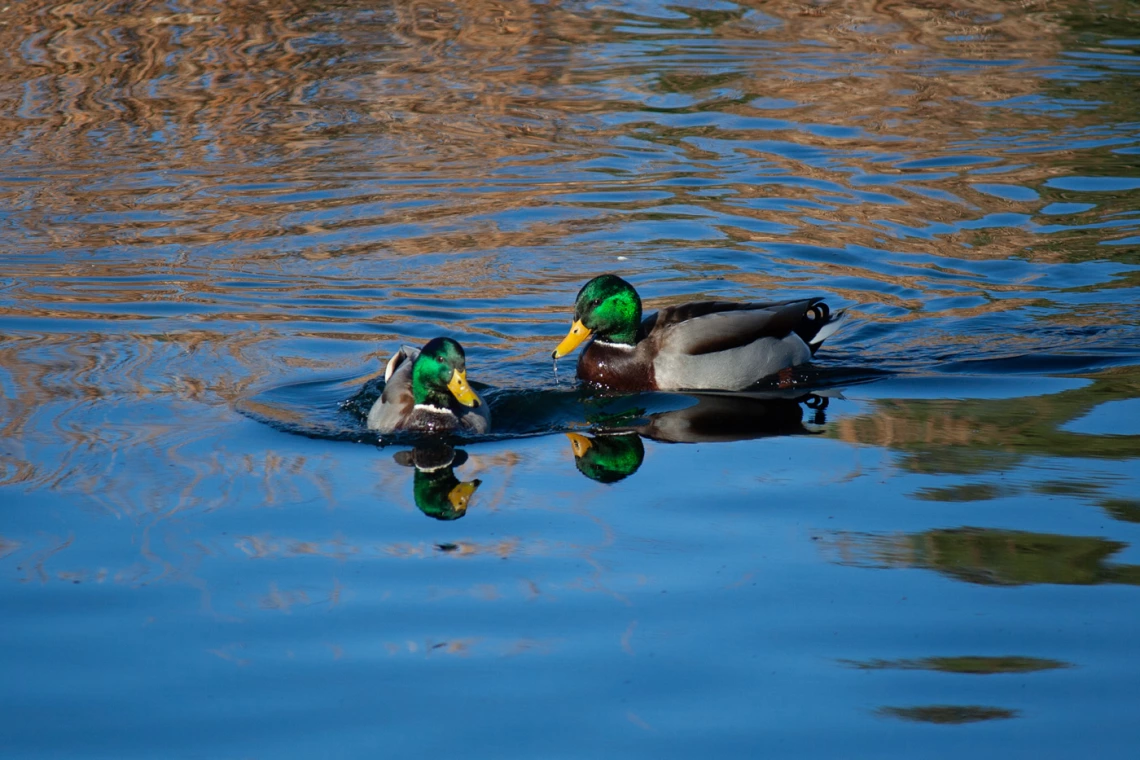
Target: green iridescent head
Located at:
point(439, 375)
point(608, 308)
point(607, 458)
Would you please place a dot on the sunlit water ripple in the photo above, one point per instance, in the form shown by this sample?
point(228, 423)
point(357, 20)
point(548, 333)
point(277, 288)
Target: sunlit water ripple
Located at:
point(218, 220)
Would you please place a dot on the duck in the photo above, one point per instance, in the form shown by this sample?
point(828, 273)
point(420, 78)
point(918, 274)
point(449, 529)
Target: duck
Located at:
point(426, 390)
point(703, 345)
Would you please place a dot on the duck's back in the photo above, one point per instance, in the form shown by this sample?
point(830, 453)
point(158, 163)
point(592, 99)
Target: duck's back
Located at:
point(396, 403)
point(714, 345)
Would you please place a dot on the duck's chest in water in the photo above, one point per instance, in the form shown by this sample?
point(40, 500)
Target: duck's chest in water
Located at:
point(616, 367)
point(430, 419)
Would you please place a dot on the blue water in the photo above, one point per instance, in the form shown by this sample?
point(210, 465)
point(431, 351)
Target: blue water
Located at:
point(217, 221)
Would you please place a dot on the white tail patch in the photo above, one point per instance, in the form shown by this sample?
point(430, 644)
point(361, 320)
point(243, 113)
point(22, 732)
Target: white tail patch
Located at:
point(403, 354)
point(829, 329)
point(392, 364)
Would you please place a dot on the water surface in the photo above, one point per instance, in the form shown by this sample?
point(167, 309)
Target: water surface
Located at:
point(217, 220)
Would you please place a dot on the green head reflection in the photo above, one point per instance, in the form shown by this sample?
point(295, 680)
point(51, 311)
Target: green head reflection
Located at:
point(607, 458)
point(437, 491)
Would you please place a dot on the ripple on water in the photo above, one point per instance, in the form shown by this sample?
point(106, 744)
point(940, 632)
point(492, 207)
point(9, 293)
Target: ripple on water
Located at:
point(218, 219)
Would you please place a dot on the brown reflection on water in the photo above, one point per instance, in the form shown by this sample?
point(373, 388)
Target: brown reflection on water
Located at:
point(285, 91)
point(205, 126)
point(7, 546)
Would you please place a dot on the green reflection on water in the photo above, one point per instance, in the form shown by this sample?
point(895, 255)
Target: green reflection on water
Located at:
point(964, 493)
point(973, 436)
point(1002, 557)
point(1127, 510)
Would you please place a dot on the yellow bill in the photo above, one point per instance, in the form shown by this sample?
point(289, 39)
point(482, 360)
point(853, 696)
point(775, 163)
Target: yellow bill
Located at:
point(460, 496)
point(578, 333)
point(580, 443)
point(461, 390)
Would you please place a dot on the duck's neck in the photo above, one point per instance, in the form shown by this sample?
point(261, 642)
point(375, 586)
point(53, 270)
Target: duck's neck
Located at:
point(624, 337)
point(427, 392)
point(625, 332)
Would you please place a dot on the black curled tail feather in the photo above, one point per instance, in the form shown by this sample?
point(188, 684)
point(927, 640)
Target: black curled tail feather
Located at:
point(815, 317)
point(818, 324)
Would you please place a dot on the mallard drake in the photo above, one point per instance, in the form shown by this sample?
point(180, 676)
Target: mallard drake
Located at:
point(705, 345)
point(426, 390)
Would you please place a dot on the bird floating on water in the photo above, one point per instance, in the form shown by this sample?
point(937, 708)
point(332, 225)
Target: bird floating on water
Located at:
point(426, 390)
point(705, 345)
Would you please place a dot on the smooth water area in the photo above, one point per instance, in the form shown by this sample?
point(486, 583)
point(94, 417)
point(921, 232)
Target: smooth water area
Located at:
point(219, 219)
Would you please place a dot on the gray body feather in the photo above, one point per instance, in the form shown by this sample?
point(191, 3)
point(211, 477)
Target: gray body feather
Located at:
point(732, 370)
point(731, 349)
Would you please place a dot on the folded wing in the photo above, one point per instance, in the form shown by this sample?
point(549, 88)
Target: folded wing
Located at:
point(712, 326)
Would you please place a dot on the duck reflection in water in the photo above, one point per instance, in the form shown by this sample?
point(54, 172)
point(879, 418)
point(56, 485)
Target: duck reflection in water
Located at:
point(436, 489)
point(607, 457)
point(616, 452)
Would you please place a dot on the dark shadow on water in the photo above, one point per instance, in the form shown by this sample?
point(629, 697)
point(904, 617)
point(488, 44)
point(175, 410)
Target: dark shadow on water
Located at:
point(949, 715)
point(971, 665)
point(614, 450)
point(335, 409)
point(605, 430)
point(1039, 364)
